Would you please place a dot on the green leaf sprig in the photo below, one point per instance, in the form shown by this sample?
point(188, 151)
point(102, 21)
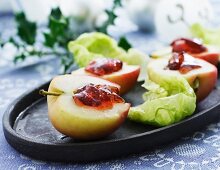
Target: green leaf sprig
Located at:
point(56, 36)
point(26, 30)
point(59, 29)
point(111, 16)
point(123, 43)
point(55, 40)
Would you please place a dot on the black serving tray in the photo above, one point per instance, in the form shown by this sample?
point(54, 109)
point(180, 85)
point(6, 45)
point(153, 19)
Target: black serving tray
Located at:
point(27, 129)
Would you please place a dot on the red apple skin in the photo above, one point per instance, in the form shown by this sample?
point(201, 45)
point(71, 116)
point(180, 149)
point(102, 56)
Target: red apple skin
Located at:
point(207, 82)
point(212, 58)
point(126, 79)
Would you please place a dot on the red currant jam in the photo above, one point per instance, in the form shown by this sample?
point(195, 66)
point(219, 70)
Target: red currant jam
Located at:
point(186, 68)
point(176, 61)
point(187, 45)
point(97, 96)
point(182, 62)
point(102, 66)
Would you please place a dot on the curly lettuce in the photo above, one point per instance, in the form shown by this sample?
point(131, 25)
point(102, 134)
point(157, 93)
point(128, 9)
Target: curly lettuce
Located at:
point(167, 100)
point(90, 46)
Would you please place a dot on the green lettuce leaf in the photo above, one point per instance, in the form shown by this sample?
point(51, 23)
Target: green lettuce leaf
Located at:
point(154, 91)
point(209, 36)
point(167, 100)
point(90, 46)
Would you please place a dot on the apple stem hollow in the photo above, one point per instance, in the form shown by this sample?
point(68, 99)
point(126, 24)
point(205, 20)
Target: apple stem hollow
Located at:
point(46, 93)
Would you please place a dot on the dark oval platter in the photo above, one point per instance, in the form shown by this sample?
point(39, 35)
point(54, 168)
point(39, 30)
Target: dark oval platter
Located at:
point(27, 129)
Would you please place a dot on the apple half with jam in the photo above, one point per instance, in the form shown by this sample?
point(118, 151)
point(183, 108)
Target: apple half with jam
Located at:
point(112, 70)
point(85, 107)
point(192, 47)
point(201, 75)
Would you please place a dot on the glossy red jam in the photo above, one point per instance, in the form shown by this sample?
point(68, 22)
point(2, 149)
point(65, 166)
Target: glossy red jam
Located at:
point(186, 68)
point(97, 96)
point(187, 45)
point(102, 66)
point(176, 61)
point(179, 61)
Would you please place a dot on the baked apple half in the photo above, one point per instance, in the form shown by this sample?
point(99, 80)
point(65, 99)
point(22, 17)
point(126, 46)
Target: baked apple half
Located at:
point(112, 70)
point(85, 107)
point(201, 75)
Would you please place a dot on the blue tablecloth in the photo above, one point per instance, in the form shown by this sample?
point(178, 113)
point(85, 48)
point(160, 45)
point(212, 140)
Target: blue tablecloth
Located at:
point(200, 150)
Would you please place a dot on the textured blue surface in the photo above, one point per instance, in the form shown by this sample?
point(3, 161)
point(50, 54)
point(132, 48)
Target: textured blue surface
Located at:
point(200, 150)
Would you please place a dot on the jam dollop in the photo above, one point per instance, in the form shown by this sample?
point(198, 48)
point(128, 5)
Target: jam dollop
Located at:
point(102, 66)
point(187, 45)
point(182, 62)
point(97, 96)
point(176, 61)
